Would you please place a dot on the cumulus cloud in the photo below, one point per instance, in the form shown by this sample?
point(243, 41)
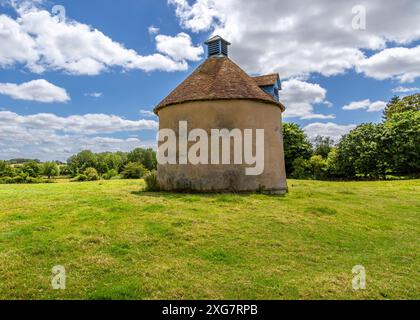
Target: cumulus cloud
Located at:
point(86, 124)
point(299, 97)
point(153, 30)
point(201, 16)
point(147, 113)
point(366, 104)
point(36, 90)
point(330, 129)
point(42, 42)
point(399, 63)
point(402, 89)
point(33, 135)
point(179, 47)
point(302, 37)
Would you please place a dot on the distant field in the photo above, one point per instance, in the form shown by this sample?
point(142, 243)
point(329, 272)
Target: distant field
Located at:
point(117, 242)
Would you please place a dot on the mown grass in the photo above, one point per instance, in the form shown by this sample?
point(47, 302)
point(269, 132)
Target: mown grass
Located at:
point(117, 242)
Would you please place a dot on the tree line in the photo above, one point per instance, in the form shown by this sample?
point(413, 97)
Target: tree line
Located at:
point(84, 166)
point(371, 150)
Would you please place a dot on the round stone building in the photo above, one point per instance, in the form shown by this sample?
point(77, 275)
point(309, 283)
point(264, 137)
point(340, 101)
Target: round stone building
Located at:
point(220, 96)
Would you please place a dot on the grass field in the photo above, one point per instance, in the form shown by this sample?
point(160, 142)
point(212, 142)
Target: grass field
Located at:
point(117, 242)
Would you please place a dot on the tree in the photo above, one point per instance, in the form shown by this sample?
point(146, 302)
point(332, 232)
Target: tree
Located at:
point(81, 161)
point(150, 160)
point(318, 166)
point(323, 146)
point(296, 145)
point(397, 105)
point(6, 170)
point(361, 152)
point(134, 170)
point(50, 169)
point(402, 142)
point(31, 168)
point(91, 174)
point(147, 157)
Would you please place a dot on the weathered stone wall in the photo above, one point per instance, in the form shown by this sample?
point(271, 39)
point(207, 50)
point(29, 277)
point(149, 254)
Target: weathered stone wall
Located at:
point(229, 114)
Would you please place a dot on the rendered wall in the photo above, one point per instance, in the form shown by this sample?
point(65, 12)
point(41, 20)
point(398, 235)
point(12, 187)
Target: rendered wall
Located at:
point(229, 114)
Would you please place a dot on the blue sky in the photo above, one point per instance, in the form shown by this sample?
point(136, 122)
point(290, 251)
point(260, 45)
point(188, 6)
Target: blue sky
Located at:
point(130, 66)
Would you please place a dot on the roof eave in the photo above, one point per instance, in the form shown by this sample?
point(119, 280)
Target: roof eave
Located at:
point(163, 106)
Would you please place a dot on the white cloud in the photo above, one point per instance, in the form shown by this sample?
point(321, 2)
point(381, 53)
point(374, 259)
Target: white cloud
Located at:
point(42, 42)
point(201, 16)
point(49, 137)
point(147, 113)
point(330, 129)
point(36, 90)
point(366, 104)
point(402, 64)
point(300, 96)
point(153, 30)
point(94, 94)
point(405, 89)
point(179, 47)
point(302, 37)
point(86, 124)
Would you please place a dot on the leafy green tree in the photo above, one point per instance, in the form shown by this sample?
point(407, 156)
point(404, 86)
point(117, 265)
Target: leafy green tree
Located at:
point(81, 161)
point(397, 105)
point(91, 174)
point(110, 174)
point(318, 167)
point(361, 152)
point(147, 157)
point(301, 169)
point(50, 169)
point(296, 145)
point(65, 170)
point(4, 168)
point(150, 160)
point(134, 170)
point(101, 163)
point(31, 168)
point(116, 161)
point(402, 142)
point(136, 155)
point(323, 146)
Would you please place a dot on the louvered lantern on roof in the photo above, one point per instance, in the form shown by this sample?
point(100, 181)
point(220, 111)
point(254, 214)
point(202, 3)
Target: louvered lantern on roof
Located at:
point(217, 46)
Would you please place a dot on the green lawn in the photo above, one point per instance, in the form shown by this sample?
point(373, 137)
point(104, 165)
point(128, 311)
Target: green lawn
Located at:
point(118, 242)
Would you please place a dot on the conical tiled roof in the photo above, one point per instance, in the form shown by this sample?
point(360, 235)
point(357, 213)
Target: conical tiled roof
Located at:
point(218, 78)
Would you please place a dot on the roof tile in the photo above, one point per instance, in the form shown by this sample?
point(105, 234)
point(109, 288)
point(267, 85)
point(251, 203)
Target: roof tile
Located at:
point(217, 78)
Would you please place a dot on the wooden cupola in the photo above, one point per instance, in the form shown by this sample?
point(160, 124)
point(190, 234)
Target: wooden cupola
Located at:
point(217, 46)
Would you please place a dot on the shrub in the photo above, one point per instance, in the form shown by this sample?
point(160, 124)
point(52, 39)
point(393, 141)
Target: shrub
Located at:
point(5, 180)
point(91, 174)
point(33, 180)
point(18, 179)
point(80, 178)
point(110, 174)
point(151, 180)
point(134, 170)
point(302, 169)
point(318, 167)
point(32, 169)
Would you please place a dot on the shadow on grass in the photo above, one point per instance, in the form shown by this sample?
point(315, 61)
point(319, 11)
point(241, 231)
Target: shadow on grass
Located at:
point(216, 195)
